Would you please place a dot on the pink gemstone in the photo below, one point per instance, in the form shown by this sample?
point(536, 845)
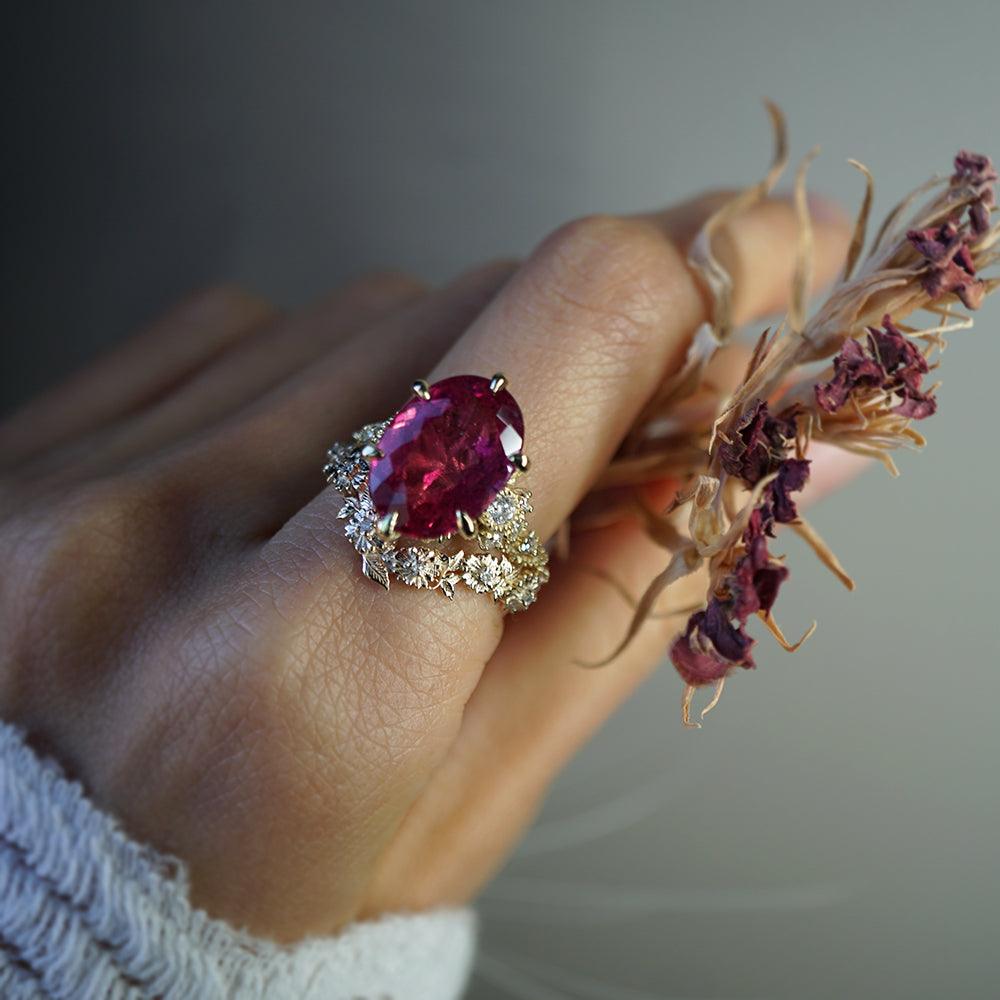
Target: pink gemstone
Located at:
point(444, 454)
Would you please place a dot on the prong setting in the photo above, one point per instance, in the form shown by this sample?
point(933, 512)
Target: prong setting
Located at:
point(466, 525)
point(385, 527)
point(498, 382)
point(421, 389)
point(520, 461)
point(370, 451)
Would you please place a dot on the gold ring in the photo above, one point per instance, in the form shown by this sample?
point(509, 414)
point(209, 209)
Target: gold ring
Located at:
point(433, 496)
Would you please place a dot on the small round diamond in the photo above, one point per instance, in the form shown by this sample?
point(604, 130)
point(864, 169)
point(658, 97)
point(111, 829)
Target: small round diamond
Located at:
point(503, 510)
point(488, 574)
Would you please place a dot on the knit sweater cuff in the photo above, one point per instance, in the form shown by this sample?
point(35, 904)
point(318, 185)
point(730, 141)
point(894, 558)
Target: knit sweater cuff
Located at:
point(87, 912)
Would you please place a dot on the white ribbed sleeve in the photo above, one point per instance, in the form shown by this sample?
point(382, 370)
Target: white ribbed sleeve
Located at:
point(85, 912)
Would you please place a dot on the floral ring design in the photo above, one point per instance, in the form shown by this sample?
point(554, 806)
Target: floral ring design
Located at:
point(432, 496)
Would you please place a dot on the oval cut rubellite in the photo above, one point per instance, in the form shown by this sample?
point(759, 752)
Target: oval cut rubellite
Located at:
point(451, 452)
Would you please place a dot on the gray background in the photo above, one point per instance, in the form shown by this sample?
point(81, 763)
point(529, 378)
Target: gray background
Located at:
point(834, 831)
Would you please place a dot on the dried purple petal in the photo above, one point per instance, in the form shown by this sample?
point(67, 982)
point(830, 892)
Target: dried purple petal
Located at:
point(767, 582)
point(793, 474)
point(897, 353)
point(710, 646)
point(757, 525)
point(951, 269)
point(729, 640)
point(695, 664)
point(852, 368)
point(760, 443)
point(715, 639)
point(747, 455)
point(756, 579)
point(916, 406)
point(977, 171)
point(938, 243)
point(905, 368)
point(974, 169)
point(892, 363)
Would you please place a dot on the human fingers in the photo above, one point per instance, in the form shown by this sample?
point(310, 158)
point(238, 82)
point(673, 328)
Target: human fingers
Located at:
point(260, 465)
point(135, 373)
point(231, 378)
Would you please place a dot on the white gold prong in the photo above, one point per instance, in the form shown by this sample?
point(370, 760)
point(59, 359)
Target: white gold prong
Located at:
point(520, 461)
point(465, 524)
point(370, 451)
point(386, 527)
point(498, 382)
point(421, 389)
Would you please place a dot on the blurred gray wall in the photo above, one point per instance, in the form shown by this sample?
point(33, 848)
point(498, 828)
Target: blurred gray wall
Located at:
point(834, 831)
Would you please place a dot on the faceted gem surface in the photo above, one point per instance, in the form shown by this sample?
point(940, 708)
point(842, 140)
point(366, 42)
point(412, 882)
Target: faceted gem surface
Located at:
point(444, 454)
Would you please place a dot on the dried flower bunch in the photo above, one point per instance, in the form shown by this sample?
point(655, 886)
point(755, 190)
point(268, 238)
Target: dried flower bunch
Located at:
point(742, 471)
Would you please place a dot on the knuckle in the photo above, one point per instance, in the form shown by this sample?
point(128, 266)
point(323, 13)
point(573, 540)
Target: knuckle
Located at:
point(70, 536)
point(60, 552)
point(610, 275)
point(83, 559)
point(101, 522)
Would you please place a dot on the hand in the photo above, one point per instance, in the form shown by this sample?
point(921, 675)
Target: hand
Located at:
point(183, 624)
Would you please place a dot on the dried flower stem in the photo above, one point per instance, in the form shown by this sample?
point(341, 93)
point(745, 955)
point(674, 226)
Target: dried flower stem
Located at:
point(740, 470)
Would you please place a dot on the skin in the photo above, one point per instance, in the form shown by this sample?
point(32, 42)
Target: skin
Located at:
point(184, 626)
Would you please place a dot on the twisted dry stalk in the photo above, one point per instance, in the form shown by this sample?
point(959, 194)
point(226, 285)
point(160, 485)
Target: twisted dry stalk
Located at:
point(739, 473)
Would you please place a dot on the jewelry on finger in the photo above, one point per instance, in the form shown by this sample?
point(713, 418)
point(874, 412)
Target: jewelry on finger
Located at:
point(432, 497)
